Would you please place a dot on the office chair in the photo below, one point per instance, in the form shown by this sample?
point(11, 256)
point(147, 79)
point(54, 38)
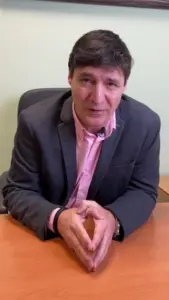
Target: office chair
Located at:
point(27, 99)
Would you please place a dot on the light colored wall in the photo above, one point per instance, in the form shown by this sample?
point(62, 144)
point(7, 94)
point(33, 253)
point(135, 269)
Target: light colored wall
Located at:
point(36, 38)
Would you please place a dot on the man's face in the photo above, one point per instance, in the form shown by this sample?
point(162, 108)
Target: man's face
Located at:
point(96, 94)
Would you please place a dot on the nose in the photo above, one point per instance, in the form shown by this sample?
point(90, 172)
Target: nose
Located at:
point(98, 94)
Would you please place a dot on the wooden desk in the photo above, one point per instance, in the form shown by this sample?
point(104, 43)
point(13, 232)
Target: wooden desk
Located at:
point(164, 184)
point(137, 269)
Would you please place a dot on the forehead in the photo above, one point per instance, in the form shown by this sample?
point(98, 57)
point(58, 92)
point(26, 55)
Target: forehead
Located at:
point(100, 72)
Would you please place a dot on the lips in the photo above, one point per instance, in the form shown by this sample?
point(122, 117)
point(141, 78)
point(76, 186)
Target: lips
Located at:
point(96, 110)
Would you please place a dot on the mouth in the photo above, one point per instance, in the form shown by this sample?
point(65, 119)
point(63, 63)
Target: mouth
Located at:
point(96, 112)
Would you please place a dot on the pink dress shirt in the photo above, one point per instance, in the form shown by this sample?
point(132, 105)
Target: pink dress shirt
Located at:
point(87, 152)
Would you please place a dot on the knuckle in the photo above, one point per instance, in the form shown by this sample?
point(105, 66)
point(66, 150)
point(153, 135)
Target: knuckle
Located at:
point(95, 204)
point(72, 226)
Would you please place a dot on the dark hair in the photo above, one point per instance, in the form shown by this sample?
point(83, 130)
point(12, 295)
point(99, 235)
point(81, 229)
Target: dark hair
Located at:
point(100, 48)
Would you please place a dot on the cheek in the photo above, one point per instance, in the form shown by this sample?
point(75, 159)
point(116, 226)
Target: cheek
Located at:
point(117, 101)
point(79, 94)
point(114, 99)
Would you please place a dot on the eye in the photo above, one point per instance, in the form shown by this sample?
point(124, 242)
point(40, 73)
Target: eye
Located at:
point(111, 84)
point(86, 81)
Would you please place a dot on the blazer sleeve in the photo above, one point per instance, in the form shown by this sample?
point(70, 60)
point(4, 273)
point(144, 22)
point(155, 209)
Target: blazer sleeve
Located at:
point(135, 206)
point(22, 193)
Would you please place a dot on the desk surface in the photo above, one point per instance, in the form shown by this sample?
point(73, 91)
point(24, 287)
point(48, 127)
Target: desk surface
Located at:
point(138, 268)
point(164, 184)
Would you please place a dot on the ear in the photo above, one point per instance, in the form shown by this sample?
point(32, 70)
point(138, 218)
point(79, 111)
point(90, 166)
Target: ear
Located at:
point(69, 79)
point(124, 87)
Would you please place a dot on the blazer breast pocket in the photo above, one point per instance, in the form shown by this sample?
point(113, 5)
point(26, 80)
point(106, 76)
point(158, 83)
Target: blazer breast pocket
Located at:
point(119, 176)
point(125, 164)
point(115, 183)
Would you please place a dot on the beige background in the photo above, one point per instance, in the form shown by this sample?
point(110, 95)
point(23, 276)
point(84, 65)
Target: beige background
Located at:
point(36, 38)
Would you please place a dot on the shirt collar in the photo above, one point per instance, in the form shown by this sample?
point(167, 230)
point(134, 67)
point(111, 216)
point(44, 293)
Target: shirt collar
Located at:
point(82, 132)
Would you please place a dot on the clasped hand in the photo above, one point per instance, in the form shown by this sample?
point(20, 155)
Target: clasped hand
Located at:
point(91, 252)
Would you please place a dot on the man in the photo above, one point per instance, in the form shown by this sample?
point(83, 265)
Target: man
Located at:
point(94, 152)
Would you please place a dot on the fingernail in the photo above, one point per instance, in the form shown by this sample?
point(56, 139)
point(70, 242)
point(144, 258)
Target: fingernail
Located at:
point(90, 248)
point(92, 269)
point(90, 265)
point(93, 248)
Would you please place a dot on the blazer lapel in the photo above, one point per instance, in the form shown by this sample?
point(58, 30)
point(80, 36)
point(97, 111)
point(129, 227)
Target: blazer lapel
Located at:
point(106, 155)
point(68, 144)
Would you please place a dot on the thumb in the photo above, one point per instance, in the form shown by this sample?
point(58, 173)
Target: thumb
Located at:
point(94, 213)
point(82, 208)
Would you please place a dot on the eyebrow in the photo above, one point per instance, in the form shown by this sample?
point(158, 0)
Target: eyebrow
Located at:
point(107, 78)
point(112, 80)
point(86, 74)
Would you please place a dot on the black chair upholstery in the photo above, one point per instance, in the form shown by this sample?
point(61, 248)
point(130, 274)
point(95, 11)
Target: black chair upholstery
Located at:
point(34, 96)
point(3, 210)
point(27, 99)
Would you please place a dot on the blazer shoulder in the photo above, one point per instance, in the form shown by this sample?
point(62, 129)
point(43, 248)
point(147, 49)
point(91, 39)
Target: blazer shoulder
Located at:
point(138, 112)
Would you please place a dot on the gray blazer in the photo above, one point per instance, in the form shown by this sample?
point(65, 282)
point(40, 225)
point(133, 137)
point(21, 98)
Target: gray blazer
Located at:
point(43, 169)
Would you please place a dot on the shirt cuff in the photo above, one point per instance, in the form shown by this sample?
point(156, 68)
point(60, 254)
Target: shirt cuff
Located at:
point(119, 232)
point(51, 219)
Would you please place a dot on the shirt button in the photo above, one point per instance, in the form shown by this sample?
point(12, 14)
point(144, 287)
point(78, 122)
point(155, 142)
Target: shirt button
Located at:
point(86, 174)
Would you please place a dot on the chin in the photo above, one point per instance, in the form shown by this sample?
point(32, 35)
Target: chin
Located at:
point(94, 127)
point(95, 123)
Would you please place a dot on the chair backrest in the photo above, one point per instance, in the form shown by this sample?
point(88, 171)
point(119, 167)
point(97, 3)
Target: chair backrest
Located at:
point(27, 99)
point(34, 96)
